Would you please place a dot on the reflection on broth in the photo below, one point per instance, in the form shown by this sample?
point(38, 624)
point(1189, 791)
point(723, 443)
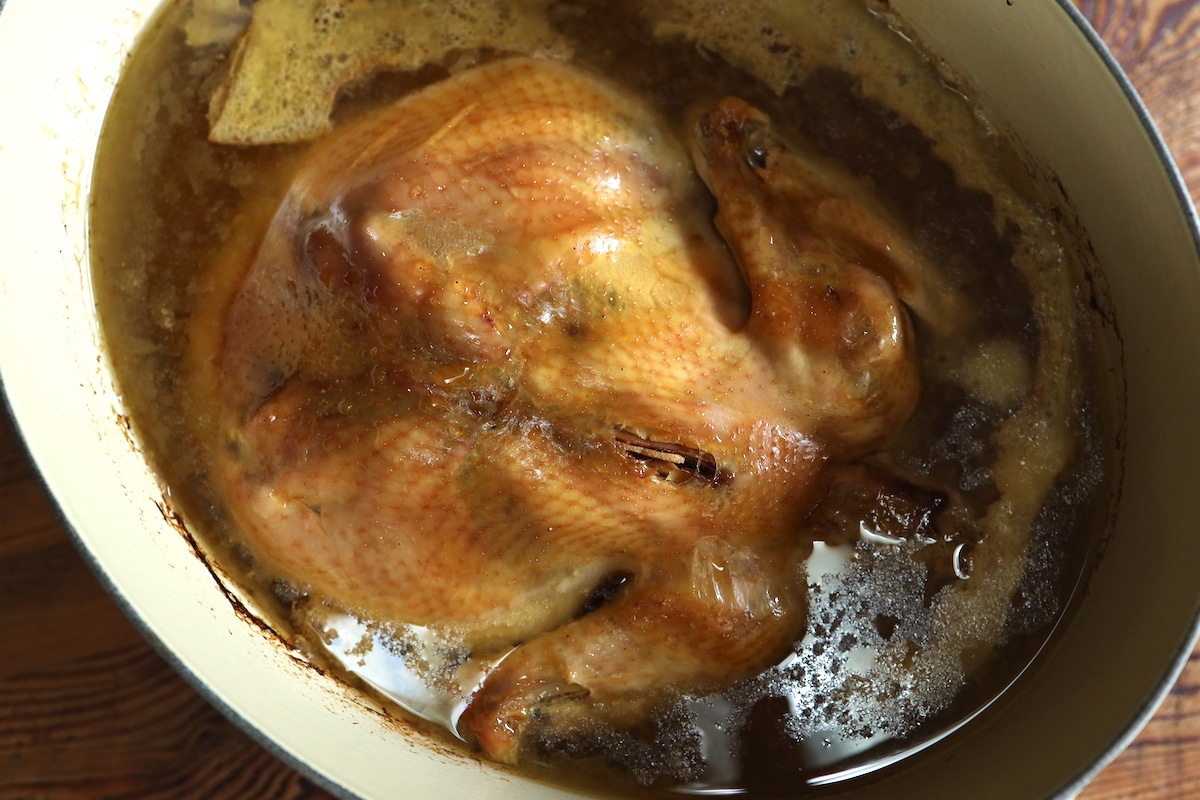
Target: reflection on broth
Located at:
point(690, 399)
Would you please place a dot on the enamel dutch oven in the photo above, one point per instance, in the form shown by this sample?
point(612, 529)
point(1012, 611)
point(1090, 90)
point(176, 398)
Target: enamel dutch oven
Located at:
point(1035, 65)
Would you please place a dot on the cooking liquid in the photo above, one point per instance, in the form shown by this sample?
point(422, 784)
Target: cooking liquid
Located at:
point(887, 665)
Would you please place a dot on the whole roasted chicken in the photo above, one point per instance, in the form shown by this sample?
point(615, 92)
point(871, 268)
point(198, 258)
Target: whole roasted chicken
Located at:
point(494, 371)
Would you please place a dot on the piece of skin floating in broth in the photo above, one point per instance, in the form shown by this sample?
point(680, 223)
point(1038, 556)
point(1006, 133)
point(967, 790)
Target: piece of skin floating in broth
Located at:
point(496, 371)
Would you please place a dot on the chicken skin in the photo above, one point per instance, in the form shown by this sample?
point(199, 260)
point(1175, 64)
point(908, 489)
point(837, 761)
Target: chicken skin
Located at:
point(494, 371)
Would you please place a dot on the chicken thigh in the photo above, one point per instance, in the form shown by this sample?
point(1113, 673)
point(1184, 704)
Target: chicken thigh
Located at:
point(494, 371)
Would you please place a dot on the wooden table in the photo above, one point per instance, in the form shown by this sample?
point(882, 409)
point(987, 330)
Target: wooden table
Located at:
point(88, 709)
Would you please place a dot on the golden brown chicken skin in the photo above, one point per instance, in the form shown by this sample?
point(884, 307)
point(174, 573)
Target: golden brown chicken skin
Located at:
point(494, 371)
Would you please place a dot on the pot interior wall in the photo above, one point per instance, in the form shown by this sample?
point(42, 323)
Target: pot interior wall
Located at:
point(1032, 66)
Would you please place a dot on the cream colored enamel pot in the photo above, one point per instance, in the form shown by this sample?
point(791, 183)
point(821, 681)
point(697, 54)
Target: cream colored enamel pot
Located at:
point(1034, 64)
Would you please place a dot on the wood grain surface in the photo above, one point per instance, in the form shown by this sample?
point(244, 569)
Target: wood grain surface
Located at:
point(89, 710)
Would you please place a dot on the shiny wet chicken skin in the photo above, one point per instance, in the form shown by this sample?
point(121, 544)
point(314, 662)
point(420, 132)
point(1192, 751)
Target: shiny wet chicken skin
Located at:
point(494, 371)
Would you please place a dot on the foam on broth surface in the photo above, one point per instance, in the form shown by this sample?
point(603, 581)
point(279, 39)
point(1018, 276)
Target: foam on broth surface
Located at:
point(904, 637)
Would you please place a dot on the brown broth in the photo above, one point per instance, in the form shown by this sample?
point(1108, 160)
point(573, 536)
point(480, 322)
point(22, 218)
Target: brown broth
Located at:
point(165, 202)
